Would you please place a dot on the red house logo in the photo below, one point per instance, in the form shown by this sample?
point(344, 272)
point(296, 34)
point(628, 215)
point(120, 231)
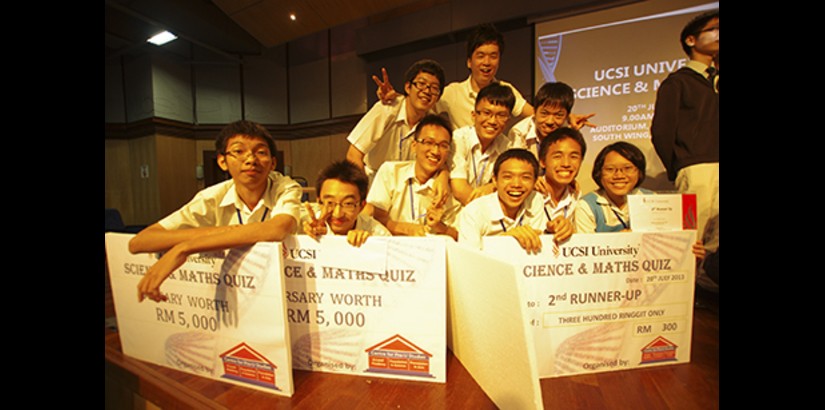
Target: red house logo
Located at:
point(659, 350)
point(398, 355)
point(244, 364)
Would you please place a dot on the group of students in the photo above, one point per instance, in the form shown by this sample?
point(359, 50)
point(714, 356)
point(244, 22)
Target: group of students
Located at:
point(468, 160)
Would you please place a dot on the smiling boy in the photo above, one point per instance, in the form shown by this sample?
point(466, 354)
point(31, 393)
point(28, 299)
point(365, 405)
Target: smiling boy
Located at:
point(515, 209)
point(561, 153)
point(553, 108)
point(402, 192)
point(478, 146)
point(385, 133)
point(257, 204)
point(342, 192)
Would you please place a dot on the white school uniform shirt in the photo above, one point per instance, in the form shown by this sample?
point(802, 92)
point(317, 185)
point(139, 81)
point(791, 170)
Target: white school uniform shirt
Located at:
point(566, 206)
point(484, 217)
point(397, 191)
point(383, 134)
point(219, 205)
point(458, 100)
point(523, 135)
point(469, 162)
point(363, 222)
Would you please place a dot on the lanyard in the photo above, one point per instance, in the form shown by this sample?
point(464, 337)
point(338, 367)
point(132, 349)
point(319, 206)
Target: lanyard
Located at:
point(412, 201)
point(548, 213)
point(501, 221)
point(475, 171)
point(240, 220)
point(401, 139)
point(625, 225)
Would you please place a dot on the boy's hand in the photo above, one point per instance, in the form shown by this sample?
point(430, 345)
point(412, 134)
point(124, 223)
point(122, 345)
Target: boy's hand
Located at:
point(561, 228)
point(357, 237)
point(317, 226)
point(541, 186)
point(699, 250)
point(149, 285)
point(485, 189)
point(527, 237)
point(385, 93)
point(577, 122)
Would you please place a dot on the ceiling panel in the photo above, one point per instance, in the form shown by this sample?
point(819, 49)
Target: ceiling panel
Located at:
point(269, 22)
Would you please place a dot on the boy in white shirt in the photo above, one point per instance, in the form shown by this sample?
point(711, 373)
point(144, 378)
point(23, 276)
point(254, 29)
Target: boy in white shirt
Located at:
point(402, 192)
point(560, 155)
point(257, 204)
point(478, 146)
point(515, 209)
point(342, 192)
point(385, 132)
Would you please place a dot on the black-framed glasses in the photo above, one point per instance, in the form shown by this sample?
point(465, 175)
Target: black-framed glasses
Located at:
point(434, 89)
point(626, 169)
point(261, 154)
point(429, 144)
point(347, 206)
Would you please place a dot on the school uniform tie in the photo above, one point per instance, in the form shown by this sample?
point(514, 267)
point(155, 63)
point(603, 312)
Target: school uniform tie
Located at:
point(712, 73)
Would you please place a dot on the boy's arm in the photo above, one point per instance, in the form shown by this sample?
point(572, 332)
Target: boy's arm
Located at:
point(461, 190)
point(156, 238)
point(441, 187)
point(399, 228)
point(663, 125)
point(355, 156)
point(275, 229)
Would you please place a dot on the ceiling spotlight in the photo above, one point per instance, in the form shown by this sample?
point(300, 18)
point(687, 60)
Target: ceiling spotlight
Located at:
point(162, 38)
point(292, 16)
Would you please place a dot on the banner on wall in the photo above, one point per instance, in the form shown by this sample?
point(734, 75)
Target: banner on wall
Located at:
point(224, 319)
point(606, 301)
point(376, 310)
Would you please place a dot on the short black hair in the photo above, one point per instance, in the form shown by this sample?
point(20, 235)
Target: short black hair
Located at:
point(559, 134)
point(557, 93)
point(497, 94)
point(483, 34)
point(427, 66)
point(347, 172)
point(520, 154)
point(243, 127)
point(694, 26)
point(626, 150)
point(433, 119)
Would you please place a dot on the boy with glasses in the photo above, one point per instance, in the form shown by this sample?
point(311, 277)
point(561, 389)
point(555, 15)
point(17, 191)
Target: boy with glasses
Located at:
point(402, 193)
point(385, 132)
point(257, 204)
point(342, 192)
point(477, 146)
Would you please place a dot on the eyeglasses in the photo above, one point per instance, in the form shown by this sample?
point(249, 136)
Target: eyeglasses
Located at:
point(261, 154)
point(499, 116)
point(429, 144)
point(422, 86)
point(558, 115)
point(347, 206)
point(627, 170)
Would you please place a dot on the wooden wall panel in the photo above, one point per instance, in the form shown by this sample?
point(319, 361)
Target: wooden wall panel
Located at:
point(176, 161)
point(145, 195)
point(118, 194)
point(309, 156)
